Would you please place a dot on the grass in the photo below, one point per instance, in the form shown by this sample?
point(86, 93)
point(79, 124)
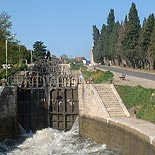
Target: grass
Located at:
point(141, 98)
point(97, 76)
point(3, 73)
point(77, 66)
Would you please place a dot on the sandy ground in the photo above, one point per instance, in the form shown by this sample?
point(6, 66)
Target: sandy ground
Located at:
point(133, 81)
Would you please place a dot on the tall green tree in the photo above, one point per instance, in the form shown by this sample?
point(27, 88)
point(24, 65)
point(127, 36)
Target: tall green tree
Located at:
point(113, 41)
point(5, 26)
point(145, 38)
point(39, 50)
point(109, 31)
point(99, 53)
point(110, 21)
point(96, 34)
point(151, 50)
point(121, 60)
point(5, 33)
point(130, 41)
point(142, 55)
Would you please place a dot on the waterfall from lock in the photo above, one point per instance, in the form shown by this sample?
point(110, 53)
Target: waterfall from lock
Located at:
point(53, 142)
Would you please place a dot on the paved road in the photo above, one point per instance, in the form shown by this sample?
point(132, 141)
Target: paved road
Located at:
point(128, 72)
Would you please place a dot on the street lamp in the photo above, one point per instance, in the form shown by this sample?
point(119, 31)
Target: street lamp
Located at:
point(6, 51)
point(19, 54)
point(31, 57)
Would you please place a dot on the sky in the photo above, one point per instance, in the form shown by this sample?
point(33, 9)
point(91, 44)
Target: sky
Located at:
point(65, 26)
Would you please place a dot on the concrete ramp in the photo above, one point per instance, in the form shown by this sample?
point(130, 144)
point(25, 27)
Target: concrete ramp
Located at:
point(111, 100)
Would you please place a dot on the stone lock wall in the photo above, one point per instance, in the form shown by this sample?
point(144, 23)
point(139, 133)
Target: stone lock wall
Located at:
point(126, 135)
point(124, 141)
point(8, 112)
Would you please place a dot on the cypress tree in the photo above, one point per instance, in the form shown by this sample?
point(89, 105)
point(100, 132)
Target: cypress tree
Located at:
point(118, 47)
point(112, 42)
point(130, 41)
point(96, 34)
point(151, 49)
point(142, 39)
point(145, 36)
point(108, 37)
point(39, 50)
point(99, 53)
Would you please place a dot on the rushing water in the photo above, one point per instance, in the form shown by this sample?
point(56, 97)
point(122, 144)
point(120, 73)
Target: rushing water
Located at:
point(53, 142)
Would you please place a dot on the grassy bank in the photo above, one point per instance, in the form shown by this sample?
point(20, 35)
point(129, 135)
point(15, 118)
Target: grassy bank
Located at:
point(142, 100)
point(97, 76)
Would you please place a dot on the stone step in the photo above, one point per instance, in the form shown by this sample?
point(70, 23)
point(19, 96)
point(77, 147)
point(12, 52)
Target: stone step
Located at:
point(102, 88)
point(107, 106)
point(114, 115)
point(109, 98)
point(110, 102)
point(117, 113)
point(100, 92)
point(115, 110)
point(113, 107)
point(109, 94)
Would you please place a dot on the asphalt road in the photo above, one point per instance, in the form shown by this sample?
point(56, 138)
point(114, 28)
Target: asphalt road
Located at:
point(128, 72)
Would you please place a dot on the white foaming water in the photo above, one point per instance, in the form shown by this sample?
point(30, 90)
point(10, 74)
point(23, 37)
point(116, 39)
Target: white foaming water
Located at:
point(53, 142)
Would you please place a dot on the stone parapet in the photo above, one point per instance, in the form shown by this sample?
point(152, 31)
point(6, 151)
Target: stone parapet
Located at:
point(120, 100)
point(90, 103)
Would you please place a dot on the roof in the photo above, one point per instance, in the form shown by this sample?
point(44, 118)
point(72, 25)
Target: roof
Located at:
point(80, 58)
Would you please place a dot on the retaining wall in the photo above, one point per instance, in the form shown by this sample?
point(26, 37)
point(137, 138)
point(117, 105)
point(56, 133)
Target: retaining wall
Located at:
point(125, 141)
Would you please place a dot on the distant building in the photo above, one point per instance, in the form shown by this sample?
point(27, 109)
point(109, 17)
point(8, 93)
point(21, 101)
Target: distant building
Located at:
point(82, 59)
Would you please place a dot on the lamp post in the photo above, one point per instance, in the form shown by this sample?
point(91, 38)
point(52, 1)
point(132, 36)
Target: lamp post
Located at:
point(6, 50)
point(31, 56)
point(19, 55)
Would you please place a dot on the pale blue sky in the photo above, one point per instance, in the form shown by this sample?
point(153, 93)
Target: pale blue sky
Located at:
point(65, 26)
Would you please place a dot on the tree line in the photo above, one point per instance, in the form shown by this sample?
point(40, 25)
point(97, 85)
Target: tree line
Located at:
point(18, 54)
point(127, 43)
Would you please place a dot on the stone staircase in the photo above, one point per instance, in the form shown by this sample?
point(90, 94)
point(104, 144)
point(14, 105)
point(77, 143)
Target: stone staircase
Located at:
point(110, 101)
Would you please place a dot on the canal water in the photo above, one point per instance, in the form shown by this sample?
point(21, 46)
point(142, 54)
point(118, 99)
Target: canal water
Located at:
point(53, 142)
